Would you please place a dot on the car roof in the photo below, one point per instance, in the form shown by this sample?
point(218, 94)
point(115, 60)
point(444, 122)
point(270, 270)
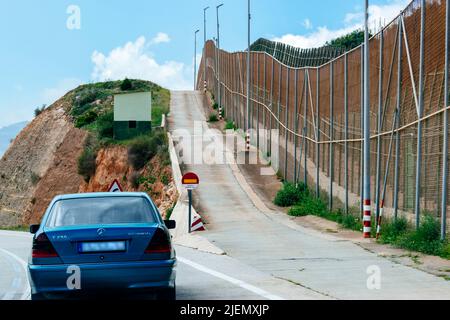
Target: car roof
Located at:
point(100, 195)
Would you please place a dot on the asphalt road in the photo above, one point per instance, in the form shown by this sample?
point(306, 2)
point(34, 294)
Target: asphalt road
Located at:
point(268, 256)
point(200, 275)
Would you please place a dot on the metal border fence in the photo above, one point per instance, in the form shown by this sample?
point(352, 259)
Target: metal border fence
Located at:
point(318, 113)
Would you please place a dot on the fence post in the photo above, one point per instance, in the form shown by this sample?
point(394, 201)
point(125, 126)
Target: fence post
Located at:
point(420, 115)
point(305, 129)
point(295, 125)
point(286, 120)
point(271, 106)
point(265, 106)
point(346, 131)
point(380, 103)
point(330, 156)
point(318, 134)
point(257, 99)
point(397, 134)
point(278, 111)
point(361, 165)
point(445, 144)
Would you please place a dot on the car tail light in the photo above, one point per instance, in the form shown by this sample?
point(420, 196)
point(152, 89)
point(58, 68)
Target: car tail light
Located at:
point(160, 243)
point(43, 248)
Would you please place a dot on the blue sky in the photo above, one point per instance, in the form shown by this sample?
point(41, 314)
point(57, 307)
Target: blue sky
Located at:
point(151, 39)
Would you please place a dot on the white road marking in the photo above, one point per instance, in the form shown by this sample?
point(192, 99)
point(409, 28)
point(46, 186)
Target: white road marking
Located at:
point(16, 234)
point(232, 280)
point(26, 294)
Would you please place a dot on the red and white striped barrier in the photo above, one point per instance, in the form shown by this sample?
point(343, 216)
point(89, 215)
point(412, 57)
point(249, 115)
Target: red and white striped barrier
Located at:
point(379, 219)
point(367, 219)
point(247, 141)
point(197, 224)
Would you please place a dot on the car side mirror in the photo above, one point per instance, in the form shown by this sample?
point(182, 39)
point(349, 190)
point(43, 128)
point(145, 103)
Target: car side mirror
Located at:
point(34, 228)
point(170, 224)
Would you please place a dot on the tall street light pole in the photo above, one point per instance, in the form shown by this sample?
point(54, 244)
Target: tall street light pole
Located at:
point(218, 61)
point(204, 48)
point(248, 81)
point(195, 59)
point(366, 180)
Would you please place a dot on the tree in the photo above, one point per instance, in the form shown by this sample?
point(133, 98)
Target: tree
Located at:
point(348, 41)
point(126, 85)
point(38, 110)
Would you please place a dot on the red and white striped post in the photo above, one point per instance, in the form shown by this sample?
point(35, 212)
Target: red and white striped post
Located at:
point(366, 145)
point(367, 218)
point(379, 219)
point(247, 141)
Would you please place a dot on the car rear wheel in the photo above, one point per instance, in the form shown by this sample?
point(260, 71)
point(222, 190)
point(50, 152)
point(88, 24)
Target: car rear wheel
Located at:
point(169, 294)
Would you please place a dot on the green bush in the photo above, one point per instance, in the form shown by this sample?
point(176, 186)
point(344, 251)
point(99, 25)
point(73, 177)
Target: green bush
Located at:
point(215, 106)
point(35, 178)
point(86, 163)
point(135, 179)
point(105, 125)
point(230, 125)
point(126, 85)
point(86, 118)
point(165, 180)
point(213, 117)
point(38, 110)
point(169, 212)
point(140, 151)
point(425, 239)
point(290, 194)
point(392, 229)
point(349, 221)
point(308, 205)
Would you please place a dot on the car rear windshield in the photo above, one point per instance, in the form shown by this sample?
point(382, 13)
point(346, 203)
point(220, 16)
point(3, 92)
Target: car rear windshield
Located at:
point(106, 210)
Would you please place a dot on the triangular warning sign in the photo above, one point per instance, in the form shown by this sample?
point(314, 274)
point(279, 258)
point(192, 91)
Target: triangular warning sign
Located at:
point(115, 187)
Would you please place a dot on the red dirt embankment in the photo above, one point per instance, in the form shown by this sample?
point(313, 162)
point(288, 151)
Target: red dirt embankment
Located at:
point(42, 162)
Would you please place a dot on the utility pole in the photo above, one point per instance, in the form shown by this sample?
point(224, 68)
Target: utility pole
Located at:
point(204, 48)
point(445, 146)
point(366, 173)
point(218, 62)
point(247, 137)
point(195, 59)
point(420, 115)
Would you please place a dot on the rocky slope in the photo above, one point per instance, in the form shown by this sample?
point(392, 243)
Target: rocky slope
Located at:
point(42, 162)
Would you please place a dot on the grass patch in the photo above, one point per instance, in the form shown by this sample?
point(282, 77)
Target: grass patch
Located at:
point(426, 239)
point(230, 125)
point(213, 118)
point(16, 228)
point(169, 212)
point(87, 160)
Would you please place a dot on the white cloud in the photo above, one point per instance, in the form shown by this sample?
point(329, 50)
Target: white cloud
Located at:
point(353, 20)
point(50, 95)
point(133, 60)
point(161, 37)
point(307, 24)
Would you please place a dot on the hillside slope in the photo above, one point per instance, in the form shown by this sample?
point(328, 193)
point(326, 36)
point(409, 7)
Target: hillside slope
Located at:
point(42, 161)
point(8, 133)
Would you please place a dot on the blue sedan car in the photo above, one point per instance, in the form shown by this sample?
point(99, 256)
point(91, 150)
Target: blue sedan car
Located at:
point(95, 242)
